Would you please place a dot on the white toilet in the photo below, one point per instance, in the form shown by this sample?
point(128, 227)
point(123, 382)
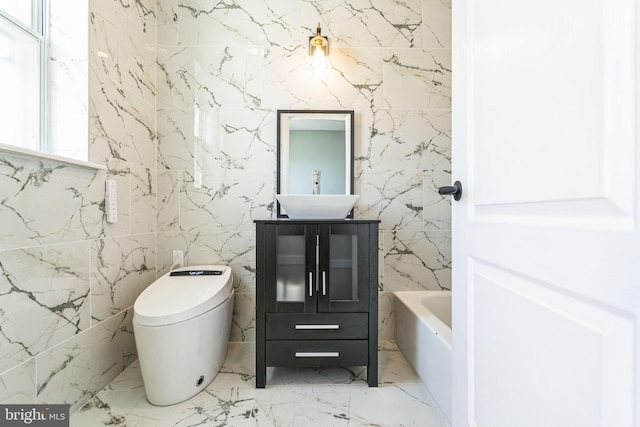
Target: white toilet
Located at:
point(181, 324)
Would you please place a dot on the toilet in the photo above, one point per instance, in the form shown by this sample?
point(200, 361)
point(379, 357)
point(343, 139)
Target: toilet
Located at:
point(181, 324)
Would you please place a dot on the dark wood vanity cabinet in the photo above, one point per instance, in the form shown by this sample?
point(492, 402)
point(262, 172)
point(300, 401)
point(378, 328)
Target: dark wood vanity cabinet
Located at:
point(316, 295)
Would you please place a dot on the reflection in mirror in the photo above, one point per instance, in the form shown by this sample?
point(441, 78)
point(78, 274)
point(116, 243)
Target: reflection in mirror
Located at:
point(310, 141)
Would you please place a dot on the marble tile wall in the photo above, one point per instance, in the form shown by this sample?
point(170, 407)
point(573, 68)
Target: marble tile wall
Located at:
point(224, 68)
point(67, 278)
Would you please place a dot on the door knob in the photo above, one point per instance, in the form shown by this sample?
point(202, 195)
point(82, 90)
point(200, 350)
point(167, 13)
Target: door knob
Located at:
point(454, 190)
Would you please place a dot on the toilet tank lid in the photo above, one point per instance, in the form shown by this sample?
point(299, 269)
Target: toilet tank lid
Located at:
point(191, 292)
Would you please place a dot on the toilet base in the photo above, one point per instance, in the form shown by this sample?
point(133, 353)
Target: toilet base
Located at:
point(180, 360)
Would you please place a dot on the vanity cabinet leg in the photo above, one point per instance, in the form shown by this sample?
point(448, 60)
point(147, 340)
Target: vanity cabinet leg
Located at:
point(260, 378)
point(372, 370)
point(261, 368)
point(261, 374)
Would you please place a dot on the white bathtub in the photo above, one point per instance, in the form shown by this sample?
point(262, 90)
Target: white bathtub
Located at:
point(423, 334)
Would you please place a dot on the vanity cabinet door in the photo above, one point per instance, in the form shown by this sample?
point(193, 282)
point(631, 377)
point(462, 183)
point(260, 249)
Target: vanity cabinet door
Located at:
point(343, 268)
point(290, 268)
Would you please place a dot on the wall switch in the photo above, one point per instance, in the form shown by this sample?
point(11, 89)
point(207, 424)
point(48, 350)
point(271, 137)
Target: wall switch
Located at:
point(178, 259)
point(111, 201)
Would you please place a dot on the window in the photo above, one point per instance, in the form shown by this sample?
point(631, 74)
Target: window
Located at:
point(23, 74)
point(44, 73)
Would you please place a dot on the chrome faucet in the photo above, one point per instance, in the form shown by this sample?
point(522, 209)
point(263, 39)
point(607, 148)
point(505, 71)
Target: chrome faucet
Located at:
point(316, 182)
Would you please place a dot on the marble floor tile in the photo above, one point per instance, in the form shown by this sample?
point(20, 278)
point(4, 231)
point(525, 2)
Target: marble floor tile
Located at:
point(316, 405)
point(396, 405)
point(293, 397)
point(229, 406)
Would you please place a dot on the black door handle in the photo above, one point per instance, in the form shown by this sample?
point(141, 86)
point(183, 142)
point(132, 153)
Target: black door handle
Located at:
point(454, 190)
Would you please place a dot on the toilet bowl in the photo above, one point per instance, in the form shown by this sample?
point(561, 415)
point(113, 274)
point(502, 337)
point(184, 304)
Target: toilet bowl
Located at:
point(181, 324)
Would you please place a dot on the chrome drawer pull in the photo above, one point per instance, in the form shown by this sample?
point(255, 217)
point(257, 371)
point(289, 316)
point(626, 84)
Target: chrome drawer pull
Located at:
point(317, 354)
point(307, 327)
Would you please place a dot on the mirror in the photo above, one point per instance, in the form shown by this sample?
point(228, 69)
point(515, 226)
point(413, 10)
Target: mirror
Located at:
point(315, 140)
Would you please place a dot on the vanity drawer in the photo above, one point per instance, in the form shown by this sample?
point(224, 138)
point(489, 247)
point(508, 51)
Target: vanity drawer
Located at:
point(317, 326)
point(317, 353)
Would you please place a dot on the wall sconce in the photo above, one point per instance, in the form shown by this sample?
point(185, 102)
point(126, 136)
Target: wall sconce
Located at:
point(319, 50)
point(318, 44)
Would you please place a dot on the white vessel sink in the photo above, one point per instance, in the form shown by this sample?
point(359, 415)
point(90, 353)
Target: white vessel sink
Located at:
point(317, 206)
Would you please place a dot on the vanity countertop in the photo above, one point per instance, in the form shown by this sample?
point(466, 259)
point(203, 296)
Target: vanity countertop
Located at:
point(316, 221)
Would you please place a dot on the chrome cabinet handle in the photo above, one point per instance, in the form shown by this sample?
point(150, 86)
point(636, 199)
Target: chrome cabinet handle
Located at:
point(317, 354)
point(324, 283)
point(317, 327)
point(310, 284)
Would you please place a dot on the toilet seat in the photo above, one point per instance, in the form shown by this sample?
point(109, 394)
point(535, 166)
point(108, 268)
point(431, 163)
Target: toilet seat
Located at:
point(173, 299)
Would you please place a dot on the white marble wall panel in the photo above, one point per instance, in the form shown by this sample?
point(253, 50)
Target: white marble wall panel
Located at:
point(189, 138)
point(121, 268)
point(143, 21)
point(210, 138)
point(417, 260)
point(364, 131)
point(247, 139)
point(169, 185)
point(413, 140)
point(417, 78)
point(142, 184)
point(18, 385)
point(353, 81)
point(238, 22)
point(211, 76)
point(233, 248)
point(436, 213)
point(385, 317)
point(167, 22)
point(409, 139)
point(225, 200)
point(122, 45)
point(121, 126)
point(436, 21)
point(366, 23)
point(29, 190)
point(393, 196)
point(44, 298)
point(122, 82)
point(243, 324)
point(78, 368)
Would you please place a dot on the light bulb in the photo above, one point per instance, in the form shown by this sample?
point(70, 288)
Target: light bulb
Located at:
point(319, 62)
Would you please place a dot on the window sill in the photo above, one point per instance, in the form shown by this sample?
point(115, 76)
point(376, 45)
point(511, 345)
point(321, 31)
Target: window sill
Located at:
point(31, 154)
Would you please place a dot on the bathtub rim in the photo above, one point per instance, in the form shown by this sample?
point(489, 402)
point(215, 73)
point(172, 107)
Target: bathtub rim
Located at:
point(413, 301)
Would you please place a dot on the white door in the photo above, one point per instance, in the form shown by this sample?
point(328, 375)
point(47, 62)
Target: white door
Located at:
point(546, 247)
